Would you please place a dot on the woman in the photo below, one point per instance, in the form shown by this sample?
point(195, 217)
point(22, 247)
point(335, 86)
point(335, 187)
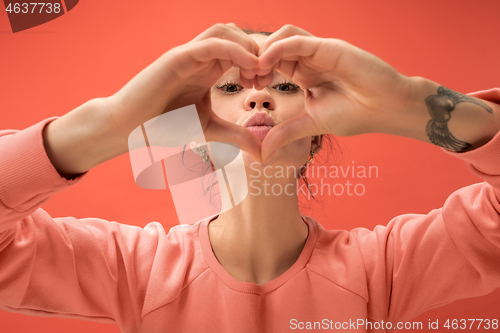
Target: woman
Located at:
point(261, 266)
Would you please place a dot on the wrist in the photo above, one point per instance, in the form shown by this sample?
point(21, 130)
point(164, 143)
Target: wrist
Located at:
point(438, 115)
point(82, 139)
point(416, 113)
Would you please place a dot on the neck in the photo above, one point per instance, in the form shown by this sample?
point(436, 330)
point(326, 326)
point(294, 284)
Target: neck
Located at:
point(263, 236)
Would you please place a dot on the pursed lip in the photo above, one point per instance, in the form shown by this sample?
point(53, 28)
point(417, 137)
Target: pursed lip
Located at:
point(259, 119)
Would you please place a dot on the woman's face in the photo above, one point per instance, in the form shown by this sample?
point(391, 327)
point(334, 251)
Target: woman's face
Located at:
point(282, 99)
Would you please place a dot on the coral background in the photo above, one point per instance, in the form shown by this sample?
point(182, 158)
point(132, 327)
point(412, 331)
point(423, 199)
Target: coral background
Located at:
point(99, 46)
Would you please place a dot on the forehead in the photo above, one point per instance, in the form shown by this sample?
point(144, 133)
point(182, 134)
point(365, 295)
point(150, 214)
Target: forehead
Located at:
point(259, 38)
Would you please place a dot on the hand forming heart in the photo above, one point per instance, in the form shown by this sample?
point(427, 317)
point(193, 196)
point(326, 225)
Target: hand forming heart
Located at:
point(348, 91)
point(185, 75)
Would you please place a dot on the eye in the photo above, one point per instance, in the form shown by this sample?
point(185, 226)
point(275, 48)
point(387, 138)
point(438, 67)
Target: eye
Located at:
point(230, 84)
point(233, 86)
point(289, 84)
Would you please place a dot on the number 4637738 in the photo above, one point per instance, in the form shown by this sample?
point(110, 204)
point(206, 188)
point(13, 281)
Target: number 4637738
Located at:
point(31, 8)
point(464, 324)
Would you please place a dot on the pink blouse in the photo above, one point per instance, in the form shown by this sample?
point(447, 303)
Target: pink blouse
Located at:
point(146, 280)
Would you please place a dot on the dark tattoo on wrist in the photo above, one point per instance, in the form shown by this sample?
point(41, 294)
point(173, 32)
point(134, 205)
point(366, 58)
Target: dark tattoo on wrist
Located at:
point(440, 107)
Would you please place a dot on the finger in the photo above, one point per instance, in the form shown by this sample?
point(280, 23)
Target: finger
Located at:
point(222, 130)
point(225, 65)
point(225, 50)
point(229, 32)
point(287, 131)
point(256, 46)
point(213, 49)
point(249, 74)
point(289, 49)
point(247, 83)
point(285, 31)
point(286, 67)
point(265, 80)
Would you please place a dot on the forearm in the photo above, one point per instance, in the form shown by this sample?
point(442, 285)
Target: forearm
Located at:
point(82, 139)
point(446, 118)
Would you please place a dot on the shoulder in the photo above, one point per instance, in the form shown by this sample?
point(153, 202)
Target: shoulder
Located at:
point(337, 257)
point(178, 262)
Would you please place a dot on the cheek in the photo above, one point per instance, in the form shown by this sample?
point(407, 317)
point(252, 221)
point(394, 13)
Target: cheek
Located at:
point(293, 106)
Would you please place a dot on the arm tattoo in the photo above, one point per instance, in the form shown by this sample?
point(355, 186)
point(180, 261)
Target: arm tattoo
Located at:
point(440, 106)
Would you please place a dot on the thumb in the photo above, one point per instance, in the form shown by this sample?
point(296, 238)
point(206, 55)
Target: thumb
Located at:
point(289, 130)
point(222, 130)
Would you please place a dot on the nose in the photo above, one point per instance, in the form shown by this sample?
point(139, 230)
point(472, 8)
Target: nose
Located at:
point(257, 100)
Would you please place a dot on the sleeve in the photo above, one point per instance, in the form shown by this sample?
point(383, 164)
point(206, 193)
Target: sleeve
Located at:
point(419, 262)
point(88, 269)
